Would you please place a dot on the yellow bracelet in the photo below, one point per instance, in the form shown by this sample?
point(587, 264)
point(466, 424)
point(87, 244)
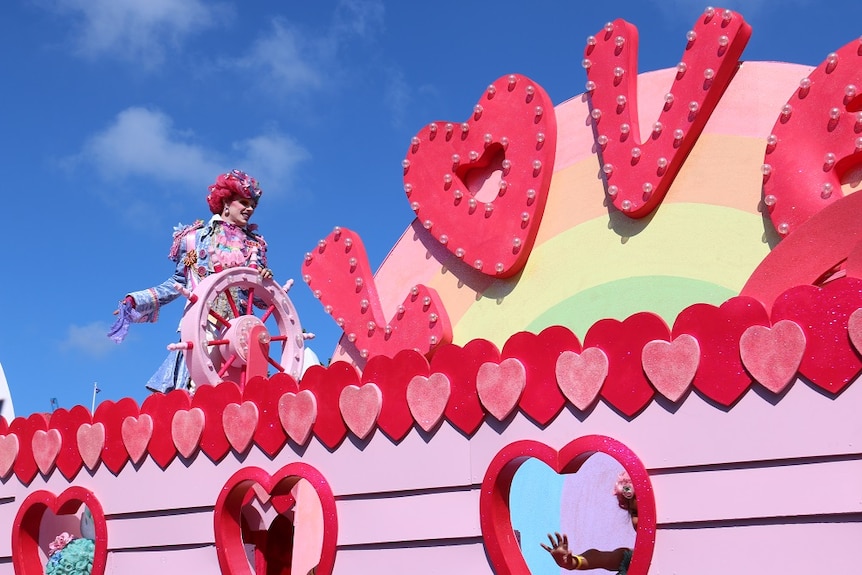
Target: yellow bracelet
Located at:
point(579, 560)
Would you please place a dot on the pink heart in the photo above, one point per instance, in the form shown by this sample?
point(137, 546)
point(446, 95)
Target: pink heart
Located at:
point(240, 422)
point(854, 328)
point(46, 447)
point(136, 433)
point(671, 365)
point(91, 440)
point(297, 413)
point(427, 398)
point(500, 386)
point(360, 407)
point(186, 430)
point(772, 356)
point(8, 453)
point(580, 376)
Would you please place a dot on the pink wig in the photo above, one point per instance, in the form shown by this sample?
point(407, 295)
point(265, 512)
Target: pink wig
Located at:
point(233, 183)
point(624, 489)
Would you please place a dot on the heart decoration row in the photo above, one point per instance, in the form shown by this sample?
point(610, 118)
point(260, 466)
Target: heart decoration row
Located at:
point(815, 332)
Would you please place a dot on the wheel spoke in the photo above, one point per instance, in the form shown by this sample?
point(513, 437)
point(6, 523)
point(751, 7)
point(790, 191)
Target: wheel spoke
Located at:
point(250, 304)
point(267, 313)
point(275, 364)
point(226, 366)
point(218, 342)
point(219, 318)
point(232, 303)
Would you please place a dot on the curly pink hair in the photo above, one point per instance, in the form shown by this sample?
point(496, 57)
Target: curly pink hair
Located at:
point(233, 183)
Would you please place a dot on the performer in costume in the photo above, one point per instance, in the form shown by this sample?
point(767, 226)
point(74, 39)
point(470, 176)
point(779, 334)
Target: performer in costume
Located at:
point(618, 559)
point(225, 241)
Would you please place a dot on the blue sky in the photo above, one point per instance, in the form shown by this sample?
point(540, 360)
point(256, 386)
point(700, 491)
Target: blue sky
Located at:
point(117, 114)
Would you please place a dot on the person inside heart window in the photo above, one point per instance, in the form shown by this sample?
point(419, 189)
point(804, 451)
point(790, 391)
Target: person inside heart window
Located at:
point(618, 559)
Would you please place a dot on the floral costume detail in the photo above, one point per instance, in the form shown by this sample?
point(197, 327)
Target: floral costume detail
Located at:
point(197, 250)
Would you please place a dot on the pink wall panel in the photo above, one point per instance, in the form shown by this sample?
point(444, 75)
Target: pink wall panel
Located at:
point(136, 531)
point(199, 561)
point(467, 559)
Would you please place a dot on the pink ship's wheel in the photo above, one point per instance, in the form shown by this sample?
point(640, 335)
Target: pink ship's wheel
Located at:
point(227, 339)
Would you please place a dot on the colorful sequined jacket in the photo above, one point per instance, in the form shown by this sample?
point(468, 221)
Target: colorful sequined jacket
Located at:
point(199, 250)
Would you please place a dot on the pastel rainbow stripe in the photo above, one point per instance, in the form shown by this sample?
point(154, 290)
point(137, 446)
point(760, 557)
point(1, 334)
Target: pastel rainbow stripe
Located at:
point(589, 262)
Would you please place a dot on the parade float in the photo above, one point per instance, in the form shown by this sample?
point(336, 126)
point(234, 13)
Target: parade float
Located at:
point(661, 275)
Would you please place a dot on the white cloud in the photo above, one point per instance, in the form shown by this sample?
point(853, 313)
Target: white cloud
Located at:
point(139, 30)
point(90, 339)
point(143, 143)
point(292, 60)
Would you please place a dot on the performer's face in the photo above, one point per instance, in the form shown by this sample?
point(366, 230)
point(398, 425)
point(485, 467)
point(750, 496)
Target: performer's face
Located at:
point(239, 211)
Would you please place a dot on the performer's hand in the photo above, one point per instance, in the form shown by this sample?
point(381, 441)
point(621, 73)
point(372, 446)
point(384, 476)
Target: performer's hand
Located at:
point(129, 299)
point(265, 273)
point(559, 549)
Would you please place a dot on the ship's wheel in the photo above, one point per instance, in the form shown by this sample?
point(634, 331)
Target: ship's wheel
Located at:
point(238, 326)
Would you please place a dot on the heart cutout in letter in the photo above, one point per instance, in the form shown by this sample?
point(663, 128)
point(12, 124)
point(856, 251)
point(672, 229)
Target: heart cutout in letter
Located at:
point(500, 386)
point(480, 187)
point(427, 398)
point(671, 365)
point(772, 355)
point(495, 516)
point(580, 376)
point(25, 531)
point(234, 495)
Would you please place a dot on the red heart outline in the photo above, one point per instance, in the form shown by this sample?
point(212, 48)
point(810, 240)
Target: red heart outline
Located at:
point(228, 510)
point(25, 530)
point(495, 516)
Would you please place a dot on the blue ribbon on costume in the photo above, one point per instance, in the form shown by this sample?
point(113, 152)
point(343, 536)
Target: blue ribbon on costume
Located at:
point(126, 314)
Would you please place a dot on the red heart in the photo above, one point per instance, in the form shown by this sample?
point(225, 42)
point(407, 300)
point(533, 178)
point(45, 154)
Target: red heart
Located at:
point(24, 428)
point(161, 407)
point(500, 386)
point(90, 440)
point(823, 313)
point(720, 375)
point(25, 530)
point(480, 187)
point(265, 393)
point(626, 386)
point(671, 365)
point(240, 422)
point(297, 413)
point(542, 399)
point(392, 377)
point(69, 460)
point(495, 517)
point(772, 356)
point(136, 433)
point(580, 377)
point(212, 399)
point(186, 429)
point(112, 415)
point(461, 366)
point(427, 398)
point(46, 447)
point(340, 276)
point(326, 385)
point(360, 408)
point(228, 513)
